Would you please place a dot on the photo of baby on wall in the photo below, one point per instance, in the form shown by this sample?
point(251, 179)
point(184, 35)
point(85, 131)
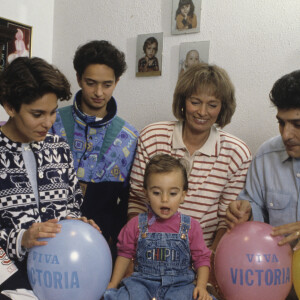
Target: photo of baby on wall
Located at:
point(192, 53)
point(149, 54)
point(186, 16)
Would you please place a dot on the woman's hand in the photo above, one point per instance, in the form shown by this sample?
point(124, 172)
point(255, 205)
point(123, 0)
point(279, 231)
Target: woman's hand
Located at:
point(291, 231)
point(85, 220)
point(36, 231)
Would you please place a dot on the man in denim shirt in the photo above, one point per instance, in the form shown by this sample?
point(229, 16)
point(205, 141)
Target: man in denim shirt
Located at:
point(271, 193)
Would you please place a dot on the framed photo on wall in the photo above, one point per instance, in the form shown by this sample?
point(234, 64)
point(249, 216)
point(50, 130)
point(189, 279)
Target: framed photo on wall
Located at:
point(149, 54)
point(185, 16)
point(20, 45)
point(192, 53)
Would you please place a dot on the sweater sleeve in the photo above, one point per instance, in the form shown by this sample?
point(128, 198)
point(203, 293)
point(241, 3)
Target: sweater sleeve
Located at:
point(75, 197)
point(137, 199)
point(199, 251)
point(237, 178)
point(127, 239)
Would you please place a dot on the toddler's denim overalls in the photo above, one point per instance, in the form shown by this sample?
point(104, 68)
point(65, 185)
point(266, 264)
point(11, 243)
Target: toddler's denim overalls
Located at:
point(163, 269)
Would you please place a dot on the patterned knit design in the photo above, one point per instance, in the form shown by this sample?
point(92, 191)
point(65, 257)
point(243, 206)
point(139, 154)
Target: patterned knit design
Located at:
point(59, 191)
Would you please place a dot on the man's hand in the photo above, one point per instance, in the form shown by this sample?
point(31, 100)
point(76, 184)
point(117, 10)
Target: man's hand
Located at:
point(291, 231)
point(238, 211)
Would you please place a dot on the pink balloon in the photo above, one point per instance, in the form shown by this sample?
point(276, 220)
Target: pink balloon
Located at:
point(249, 265)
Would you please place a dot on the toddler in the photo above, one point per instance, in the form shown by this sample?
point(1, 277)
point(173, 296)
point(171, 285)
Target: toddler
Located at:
point(167, 246)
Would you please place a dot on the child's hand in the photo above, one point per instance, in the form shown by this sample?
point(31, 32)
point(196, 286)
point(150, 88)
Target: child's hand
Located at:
point(201, 293)
point(111, 286)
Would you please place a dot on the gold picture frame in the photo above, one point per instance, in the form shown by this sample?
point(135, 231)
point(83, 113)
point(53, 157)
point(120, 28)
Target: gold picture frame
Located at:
point(20, 45)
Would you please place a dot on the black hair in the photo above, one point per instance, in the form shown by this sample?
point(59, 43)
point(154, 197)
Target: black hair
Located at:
point(99, 52)
point(285, 93)
point(26, 79)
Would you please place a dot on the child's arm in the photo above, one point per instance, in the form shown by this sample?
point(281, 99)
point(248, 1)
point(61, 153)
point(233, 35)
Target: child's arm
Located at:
point(200, 288)
point(120, 268)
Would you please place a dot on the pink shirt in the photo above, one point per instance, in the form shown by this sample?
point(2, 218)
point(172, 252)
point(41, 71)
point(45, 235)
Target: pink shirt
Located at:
point(129, 234)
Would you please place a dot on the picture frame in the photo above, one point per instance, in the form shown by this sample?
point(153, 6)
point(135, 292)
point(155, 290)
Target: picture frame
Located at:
point(20, 45)
point(191, 53)
point(186, 16)
point(149, 54)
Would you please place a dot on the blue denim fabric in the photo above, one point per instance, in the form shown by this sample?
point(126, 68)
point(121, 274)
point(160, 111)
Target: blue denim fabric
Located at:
point(163, 269)
point(273, 185)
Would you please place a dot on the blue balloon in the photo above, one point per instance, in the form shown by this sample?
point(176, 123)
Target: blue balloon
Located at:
point(75, 265)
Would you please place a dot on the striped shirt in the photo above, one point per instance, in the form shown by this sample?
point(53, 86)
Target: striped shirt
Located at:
point(217, 172)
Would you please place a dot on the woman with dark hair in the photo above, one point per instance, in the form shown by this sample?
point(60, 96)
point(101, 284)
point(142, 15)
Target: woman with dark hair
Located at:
point(38, 185)
point(217, 162)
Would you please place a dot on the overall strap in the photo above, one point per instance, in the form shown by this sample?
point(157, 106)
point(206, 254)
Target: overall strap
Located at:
point(143, 223)
point(185, 225)
point(68, 122)
point(112, 132)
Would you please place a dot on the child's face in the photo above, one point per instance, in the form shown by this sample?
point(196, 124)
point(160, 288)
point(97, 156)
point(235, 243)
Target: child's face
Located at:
point(185, 9)
point(151, 50)
point(192, 59)
point(165, 193)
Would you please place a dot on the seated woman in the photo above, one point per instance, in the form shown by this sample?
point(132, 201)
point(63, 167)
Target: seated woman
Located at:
point(217, 162)
point(38, 185)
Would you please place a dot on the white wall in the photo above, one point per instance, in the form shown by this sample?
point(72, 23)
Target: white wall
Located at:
point(39, 15)
point(256, 41)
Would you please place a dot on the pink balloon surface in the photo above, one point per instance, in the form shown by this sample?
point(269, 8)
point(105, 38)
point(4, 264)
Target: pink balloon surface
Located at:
point(249, 265)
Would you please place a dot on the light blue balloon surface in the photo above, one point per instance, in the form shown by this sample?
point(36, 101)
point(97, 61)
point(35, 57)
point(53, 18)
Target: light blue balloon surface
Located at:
point(75, 265)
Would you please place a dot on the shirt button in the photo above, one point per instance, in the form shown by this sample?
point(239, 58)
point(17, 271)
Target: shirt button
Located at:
point(271, 204)
point(43, 209)
point(298, 175)
point(41, 175)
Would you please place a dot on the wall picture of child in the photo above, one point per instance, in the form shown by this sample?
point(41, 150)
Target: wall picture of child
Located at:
point(186, 16)
point(192, 53)
point(149, 54)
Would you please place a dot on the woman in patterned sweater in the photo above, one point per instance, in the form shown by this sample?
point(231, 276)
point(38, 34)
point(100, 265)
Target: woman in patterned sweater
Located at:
point(38, 185)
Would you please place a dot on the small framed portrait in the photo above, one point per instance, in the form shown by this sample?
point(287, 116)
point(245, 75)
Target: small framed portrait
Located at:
point(185, 16)
point(192, 53)
point(20, 45)
point(149, 54)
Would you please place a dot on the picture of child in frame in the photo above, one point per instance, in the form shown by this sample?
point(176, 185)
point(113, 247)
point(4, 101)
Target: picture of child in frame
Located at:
point(149, 62)
point(185, 16)
point(149, 54)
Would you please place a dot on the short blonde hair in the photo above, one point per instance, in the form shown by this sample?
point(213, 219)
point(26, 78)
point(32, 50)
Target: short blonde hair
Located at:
point(209, 79)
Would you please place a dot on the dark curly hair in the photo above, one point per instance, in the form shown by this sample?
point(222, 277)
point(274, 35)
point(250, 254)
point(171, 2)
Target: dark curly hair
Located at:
point(25, 80)
point(99, 52)
point(285, 93)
